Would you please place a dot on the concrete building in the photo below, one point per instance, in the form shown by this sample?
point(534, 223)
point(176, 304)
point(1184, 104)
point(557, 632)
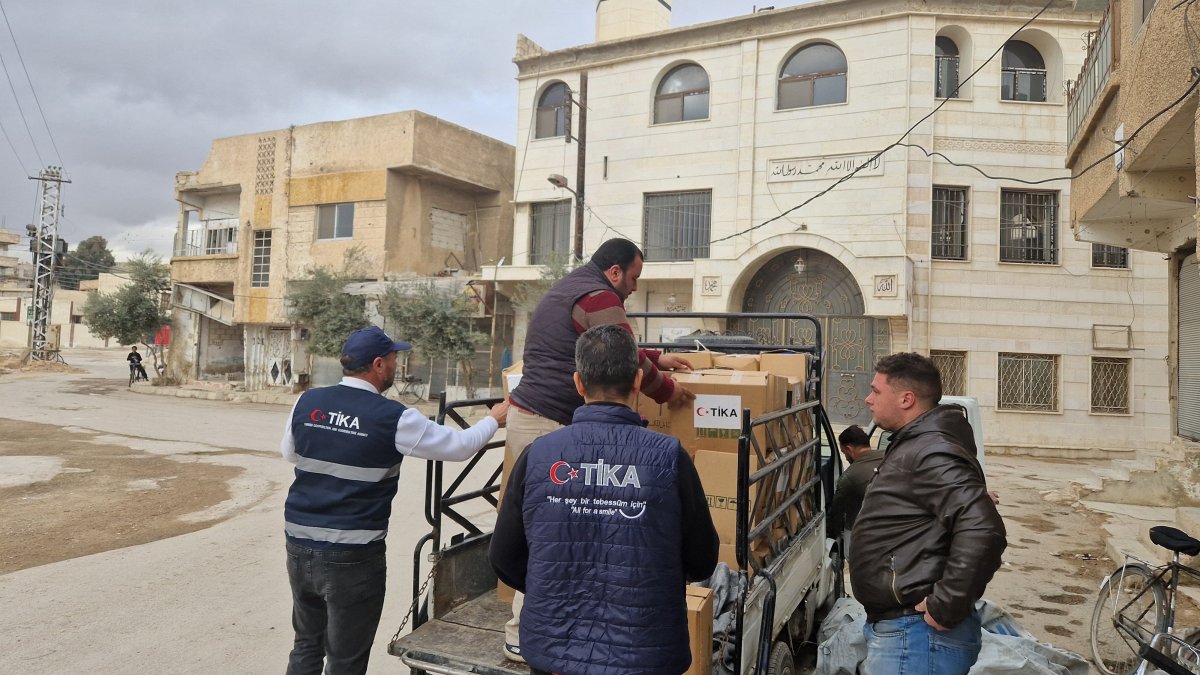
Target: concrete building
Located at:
point(1138, 85)
point(416, 194)
point(721, 149)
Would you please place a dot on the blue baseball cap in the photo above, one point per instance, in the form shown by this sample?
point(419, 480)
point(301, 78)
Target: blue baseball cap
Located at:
point(365, 345)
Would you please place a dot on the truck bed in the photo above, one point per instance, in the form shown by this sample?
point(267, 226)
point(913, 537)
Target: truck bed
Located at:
point(468, 639)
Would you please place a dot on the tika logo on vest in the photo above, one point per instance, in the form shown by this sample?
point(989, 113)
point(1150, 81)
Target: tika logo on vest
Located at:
point(337, 419)
point(596, 474)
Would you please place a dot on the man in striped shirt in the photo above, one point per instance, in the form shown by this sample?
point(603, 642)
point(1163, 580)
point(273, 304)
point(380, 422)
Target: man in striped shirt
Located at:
point(545, 399)
point(347, 442)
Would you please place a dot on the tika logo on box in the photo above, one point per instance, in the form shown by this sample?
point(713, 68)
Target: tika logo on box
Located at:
point(716, 416)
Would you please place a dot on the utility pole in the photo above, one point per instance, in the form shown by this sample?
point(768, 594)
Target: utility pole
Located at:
point(47, 251)
point(580, 162)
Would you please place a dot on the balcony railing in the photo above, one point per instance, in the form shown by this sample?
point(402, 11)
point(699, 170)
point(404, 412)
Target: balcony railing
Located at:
point(1100, 52)
point(209, 237)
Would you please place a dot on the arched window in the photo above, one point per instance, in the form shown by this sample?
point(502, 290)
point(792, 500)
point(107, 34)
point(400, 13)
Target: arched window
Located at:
point(552, 111)
point(682, 95)
point(947, 67)
point(1022, 73)
point(814, 75)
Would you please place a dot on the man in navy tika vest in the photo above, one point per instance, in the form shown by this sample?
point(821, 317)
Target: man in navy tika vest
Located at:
point(347, 442)
point(602, 524)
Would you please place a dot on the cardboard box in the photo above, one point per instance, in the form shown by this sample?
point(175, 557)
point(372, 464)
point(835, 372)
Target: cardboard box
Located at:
point(699, 359)
point(736, 362)
point(790, 365)
point(504, 592)
point(713, 421)
point(718, 475)
point(510, 376)
point(700, 629)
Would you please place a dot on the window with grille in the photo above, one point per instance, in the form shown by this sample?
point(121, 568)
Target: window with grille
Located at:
point(953, 366)
point(335, 221)
point(1029, 227)
point(676, 225)
point(1028, 382)
point(1115, 257)
point(1022, 73)
point(946, 60)
point(549, 231)
point(260, 269)
point(1110, 385)
point(949, 223)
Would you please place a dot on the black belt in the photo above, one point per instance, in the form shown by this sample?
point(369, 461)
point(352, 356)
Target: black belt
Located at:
point(886, 614)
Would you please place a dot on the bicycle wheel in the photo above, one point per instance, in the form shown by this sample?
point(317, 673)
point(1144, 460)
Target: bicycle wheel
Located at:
point(1132, 596)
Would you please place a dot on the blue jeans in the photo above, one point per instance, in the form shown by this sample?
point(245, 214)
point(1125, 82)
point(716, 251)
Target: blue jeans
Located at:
point(337, 598)
point(907, 646)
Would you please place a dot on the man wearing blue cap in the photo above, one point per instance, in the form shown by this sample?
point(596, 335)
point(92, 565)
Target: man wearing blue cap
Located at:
point(347, 442)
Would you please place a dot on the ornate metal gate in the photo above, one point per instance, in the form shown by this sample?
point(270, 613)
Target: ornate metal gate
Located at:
point(821, 286)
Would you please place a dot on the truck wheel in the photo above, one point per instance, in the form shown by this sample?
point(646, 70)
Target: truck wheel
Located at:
point(781, 660)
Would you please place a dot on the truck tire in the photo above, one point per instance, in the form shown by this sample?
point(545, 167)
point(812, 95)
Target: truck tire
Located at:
point(781, 662)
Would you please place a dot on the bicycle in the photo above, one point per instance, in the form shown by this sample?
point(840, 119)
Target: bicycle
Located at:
point(1133, 624)
point(412, 392)
point(136, 372)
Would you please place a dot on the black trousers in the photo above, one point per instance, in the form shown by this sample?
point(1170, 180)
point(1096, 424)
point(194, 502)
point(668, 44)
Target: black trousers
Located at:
point(337, 598)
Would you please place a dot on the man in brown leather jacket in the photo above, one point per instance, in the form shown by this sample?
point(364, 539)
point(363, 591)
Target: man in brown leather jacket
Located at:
point(928, 538)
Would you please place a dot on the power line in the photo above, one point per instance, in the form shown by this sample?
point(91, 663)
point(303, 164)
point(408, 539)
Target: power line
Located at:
point(898, 141)
point(33, 91)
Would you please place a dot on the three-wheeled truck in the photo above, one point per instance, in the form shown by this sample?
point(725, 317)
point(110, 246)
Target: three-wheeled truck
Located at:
point(789, 570)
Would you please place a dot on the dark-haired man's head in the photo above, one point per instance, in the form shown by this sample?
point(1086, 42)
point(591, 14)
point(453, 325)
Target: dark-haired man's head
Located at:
point(854, 442)
point(620, 260)
point(606, 365)
point(906, 385)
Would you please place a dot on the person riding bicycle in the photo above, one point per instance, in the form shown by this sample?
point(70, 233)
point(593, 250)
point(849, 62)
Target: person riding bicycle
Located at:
point(135, 365)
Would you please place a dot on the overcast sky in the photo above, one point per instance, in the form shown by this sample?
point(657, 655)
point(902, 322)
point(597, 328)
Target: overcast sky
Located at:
point(134, 91)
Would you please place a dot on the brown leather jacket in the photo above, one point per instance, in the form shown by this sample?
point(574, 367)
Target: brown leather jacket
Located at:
point(927, 528)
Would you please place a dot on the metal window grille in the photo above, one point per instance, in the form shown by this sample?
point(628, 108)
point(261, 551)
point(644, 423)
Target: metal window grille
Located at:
point(1023, 84)
point(335, 221)
point(1110, 385)
point(949, 223)
point(953, 366)
point(549, 231)
point(209, 237)
point(676, 225)
point(1029, 227)
point(260, 269)
point(947, 76)
point(1115, 257)
point(1028, 382)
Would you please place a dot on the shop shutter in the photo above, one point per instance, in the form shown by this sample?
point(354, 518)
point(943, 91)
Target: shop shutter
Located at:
point(1188, 408)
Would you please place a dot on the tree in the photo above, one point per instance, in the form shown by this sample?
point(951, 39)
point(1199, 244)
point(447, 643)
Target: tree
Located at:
point(438, 324)
point(557, 266)
point(136, 311)
point(321, 303)
point(87, 261)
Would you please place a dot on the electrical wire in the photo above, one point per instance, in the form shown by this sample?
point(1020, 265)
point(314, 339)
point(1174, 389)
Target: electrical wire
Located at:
point(32, 90)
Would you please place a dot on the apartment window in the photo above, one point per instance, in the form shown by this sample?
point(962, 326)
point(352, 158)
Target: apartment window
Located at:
point(1022, 73)
point(953, 366)
point(1113, 257)
point(335, 221)
point(1028, 382)
point(682, 95)
point(814, 75)
point(552, 111)
point(549, 231)
point(1110, 385)
point(260, 271)
point(676, 225)
point(946, 59)
point(1029, 227)
point(16, 316)
point(949, 230)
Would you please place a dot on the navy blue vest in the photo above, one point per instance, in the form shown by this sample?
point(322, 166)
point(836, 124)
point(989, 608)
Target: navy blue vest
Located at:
point(604, 583)
point(546, 386)
point(347, 469)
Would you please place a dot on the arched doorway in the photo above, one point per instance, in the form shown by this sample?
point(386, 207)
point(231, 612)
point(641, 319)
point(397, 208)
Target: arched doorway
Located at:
point(822, 286)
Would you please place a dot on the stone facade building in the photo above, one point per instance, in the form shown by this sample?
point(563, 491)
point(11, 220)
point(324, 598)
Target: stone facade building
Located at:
point(721, 149)
point(417, 195)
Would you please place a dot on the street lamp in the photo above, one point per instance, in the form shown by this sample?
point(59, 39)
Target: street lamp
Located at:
point(560, 181)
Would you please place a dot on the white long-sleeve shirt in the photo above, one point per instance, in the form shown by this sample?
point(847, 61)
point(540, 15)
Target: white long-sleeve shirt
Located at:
point(416, 435)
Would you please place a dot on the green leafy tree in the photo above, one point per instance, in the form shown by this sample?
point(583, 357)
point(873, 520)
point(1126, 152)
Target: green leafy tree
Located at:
point(135, 312)
point(87, 261)
point(438, 324)
point(557, 266)
point(321, 303)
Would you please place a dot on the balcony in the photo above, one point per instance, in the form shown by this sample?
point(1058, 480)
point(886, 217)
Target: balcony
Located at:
point(209, 237)
point(1101, 56)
